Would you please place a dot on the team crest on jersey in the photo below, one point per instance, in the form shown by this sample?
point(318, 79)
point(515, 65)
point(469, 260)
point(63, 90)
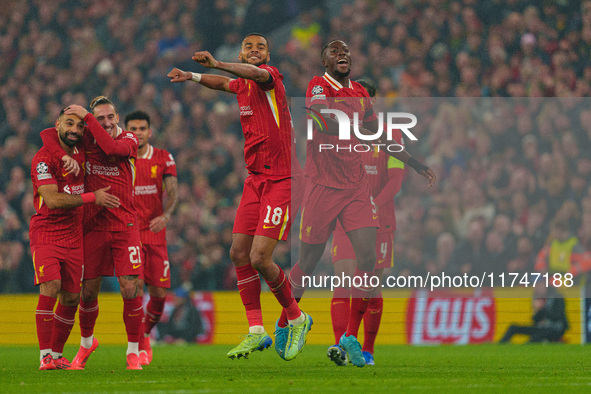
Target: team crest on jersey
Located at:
point(154, 171)
point(317, 89)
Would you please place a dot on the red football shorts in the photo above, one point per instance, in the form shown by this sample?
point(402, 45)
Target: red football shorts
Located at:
point(106, 252)
point(322, 206)
point(265, 207)
point(156, 265)
point(342, 248)
point(56, 263)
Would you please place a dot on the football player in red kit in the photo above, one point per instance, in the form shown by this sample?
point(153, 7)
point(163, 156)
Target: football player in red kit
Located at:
point(265, 210)
point(155, 173)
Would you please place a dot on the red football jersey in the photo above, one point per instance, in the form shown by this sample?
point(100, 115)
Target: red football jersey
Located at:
point(113, 165)
point(59, 227)
point(151, 170)
point(339, 169)
point(380, 168)
point(266, 125)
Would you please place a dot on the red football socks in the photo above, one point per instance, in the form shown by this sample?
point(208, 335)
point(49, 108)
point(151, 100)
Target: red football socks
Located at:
point(297, 290)
point(63, 321)
point(249, 288)
point(153, 313)
point(44, 320)
point(361, 295)
point(371, 322)
point(282, 291)
point(133, 314)
point(339, 311)
point(88, 313)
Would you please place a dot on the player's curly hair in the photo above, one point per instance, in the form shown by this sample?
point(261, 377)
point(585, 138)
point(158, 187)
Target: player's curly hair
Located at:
point(101, 100)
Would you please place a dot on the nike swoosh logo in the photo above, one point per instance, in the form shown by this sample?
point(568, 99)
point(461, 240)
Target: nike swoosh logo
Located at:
point(136, 266)
point(264, 226)
point(137, 314)
point(163, 279)
point(65, 175)
point(374, 312)
point(380, 261)
point(338, 100)
point(375, 217)
point(47, 319)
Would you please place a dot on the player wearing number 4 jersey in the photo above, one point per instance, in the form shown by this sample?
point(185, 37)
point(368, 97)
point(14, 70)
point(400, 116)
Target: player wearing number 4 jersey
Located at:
point(155, 170)
point(264, 213)
point(384, 174)
point(111, 236)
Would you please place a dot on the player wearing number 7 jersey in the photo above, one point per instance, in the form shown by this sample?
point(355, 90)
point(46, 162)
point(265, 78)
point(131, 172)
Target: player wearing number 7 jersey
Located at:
point(156, 170)
point(264, 213)
point(111, 236)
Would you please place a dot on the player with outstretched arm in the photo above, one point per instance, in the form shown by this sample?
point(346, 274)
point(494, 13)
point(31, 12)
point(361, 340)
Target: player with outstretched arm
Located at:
point(265, 210)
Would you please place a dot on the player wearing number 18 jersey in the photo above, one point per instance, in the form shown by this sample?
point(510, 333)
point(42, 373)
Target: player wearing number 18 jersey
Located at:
point(156, 170)
point(264, 213)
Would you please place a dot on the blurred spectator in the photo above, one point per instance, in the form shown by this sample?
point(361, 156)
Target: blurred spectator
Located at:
point(521, 159)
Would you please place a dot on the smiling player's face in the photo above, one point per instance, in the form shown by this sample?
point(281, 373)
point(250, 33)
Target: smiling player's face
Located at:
point(337, 59)
point(255, 51)
point(70, 129)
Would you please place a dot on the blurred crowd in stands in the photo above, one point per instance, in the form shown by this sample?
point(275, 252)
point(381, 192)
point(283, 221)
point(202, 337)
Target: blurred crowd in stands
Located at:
point(506, 174)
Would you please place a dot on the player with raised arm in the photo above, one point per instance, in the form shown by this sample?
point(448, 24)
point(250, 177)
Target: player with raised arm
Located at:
point(385, 174)
point(111, 236)
point(338, 188)
point(265, 210)
point(156, 170)
point(56, 238)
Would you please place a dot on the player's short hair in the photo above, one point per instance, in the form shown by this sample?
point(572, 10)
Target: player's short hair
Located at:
point(368, 85)
point(137, 115)
point(326, 46)
point(260, 35)
point(99, 100)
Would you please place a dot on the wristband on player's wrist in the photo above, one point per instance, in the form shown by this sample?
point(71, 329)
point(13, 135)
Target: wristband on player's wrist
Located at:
point(196, 77)
point(88, 197)
point(417, 165)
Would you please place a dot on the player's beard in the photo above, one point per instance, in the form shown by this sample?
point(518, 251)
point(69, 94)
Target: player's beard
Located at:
point(342, 75)
point(254, 64)
point(67, 141)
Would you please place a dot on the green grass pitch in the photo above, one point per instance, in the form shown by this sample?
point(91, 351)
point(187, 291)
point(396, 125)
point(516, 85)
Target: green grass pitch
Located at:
point(205, 369)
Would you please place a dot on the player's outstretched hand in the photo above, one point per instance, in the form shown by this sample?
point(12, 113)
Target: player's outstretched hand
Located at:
point(158, 223)
point(430, 175)
point(105, 199)
point(77, 110)
point(70, 165)
point(205, 59)
point(177, 75)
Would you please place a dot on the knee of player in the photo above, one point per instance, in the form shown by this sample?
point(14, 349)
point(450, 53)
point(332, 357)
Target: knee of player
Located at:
point(129, 287)
point(70, 299)
point(239, 256)
point(367, 259)
point(260, 260)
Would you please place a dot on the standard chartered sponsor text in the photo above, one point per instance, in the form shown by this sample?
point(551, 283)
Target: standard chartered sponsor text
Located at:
point(440, 280)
